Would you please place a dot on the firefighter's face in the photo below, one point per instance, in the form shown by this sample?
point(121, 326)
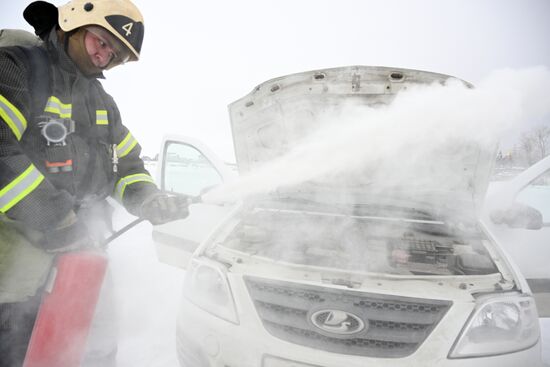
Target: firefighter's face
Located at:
point(104, 49)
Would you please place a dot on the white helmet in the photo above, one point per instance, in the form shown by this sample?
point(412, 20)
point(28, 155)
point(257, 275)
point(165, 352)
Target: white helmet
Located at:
point(120, 17)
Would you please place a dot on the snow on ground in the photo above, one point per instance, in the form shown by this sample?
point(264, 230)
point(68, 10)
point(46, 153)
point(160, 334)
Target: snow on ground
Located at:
point(148, 296)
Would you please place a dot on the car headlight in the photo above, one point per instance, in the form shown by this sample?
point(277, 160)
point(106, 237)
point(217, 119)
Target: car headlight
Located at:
point(498, 326)
point(207, 287)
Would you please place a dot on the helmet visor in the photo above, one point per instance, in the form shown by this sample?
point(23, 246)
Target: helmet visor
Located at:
point(119, 53)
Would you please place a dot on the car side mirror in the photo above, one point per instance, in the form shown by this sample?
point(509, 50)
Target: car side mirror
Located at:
point(518, 216)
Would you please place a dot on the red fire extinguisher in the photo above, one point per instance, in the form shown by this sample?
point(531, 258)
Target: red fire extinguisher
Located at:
point(65, 316)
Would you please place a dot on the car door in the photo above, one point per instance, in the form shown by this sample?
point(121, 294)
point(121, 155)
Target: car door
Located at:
point(186, 166)
point(529, 248)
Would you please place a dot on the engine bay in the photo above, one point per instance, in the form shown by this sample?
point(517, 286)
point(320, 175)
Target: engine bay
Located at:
point(362, 242)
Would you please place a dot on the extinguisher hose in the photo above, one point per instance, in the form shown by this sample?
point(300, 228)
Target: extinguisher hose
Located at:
point(135, 222)
point(121, 231)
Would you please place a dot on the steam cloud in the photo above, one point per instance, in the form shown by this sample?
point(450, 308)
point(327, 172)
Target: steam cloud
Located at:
point(422, 124)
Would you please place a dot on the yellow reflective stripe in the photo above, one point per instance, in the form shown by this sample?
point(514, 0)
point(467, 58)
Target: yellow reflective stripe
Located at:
point(13, 117)
point(54, 105)
point(126, 146)
point(16, 190)
point(132, 145)
point(101, 117)
point(131, 179)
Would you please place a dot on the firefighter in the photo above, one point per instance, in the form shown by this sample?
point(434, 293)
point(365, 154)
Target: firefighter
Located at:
point(63, 151)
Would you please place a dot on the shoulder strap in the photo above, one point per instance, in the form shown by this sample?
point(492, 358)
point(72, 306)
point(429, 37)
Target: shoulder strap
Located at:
point(39, 81)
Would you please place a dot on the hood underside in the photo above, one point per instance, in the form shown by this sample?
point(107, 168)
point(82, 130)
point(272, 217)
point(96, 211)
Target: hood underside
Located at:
point(278, 116)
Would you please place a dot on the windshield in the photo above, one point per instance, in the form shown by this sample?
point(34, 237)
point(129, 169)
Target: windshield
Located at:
point(359, 241)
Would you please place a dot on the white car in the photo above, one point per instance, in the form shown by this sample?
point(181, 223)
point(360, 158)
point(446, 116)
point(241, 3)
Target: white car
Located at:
point(297, 279)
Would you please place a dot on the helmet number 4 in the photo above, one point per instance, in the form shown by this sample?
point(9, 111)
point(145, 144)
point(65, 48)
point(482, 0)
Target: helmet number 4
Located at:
point(128, 28)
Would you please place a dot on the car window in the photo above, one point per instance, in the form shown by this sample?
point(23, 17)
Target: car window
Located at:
point(537, 195)
point(187, 171)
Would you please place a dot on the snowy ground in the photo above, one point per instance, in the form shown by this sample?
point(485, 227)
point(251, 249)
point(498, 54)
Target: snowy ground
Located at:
point(148, 295)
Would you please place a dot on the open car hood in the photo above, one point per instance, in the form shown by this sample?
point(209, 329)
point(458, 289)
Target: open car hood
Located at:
point(278, 114)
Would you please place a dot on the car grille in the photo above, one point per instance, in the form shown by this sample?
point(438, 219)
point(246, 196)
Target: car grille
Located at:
point(394, 326)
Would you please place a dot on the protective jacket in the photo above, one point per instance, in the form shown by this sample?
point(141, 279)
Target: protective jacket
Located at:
point(40, 181)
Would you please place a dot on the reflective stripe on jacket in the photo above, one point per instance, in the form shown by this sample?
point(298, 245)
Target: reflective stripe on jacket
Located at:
point(19, 188)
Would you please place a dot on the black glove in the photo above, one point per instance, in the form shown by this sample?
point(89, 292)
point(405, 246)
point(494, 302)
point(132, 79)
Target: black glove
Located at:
point(70, 234)
point(163, 208)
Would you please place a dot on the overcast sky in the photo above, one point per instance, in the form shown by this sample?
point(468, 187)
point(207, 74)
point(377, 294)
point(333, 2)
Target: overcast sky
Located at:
point(199, 56)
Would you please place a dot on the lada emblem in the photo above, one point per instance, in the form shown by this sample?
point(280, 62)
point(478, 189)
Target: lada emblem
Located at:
point(337, 322)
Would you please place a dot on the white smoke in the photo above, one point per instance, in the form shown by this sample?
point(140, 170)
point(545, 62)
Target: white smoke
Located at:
point(404, 139)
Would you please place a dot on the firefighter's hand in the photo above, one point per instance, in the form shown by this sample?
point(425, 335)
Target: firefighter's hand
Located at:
point(164, 208)
point(69, 235)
